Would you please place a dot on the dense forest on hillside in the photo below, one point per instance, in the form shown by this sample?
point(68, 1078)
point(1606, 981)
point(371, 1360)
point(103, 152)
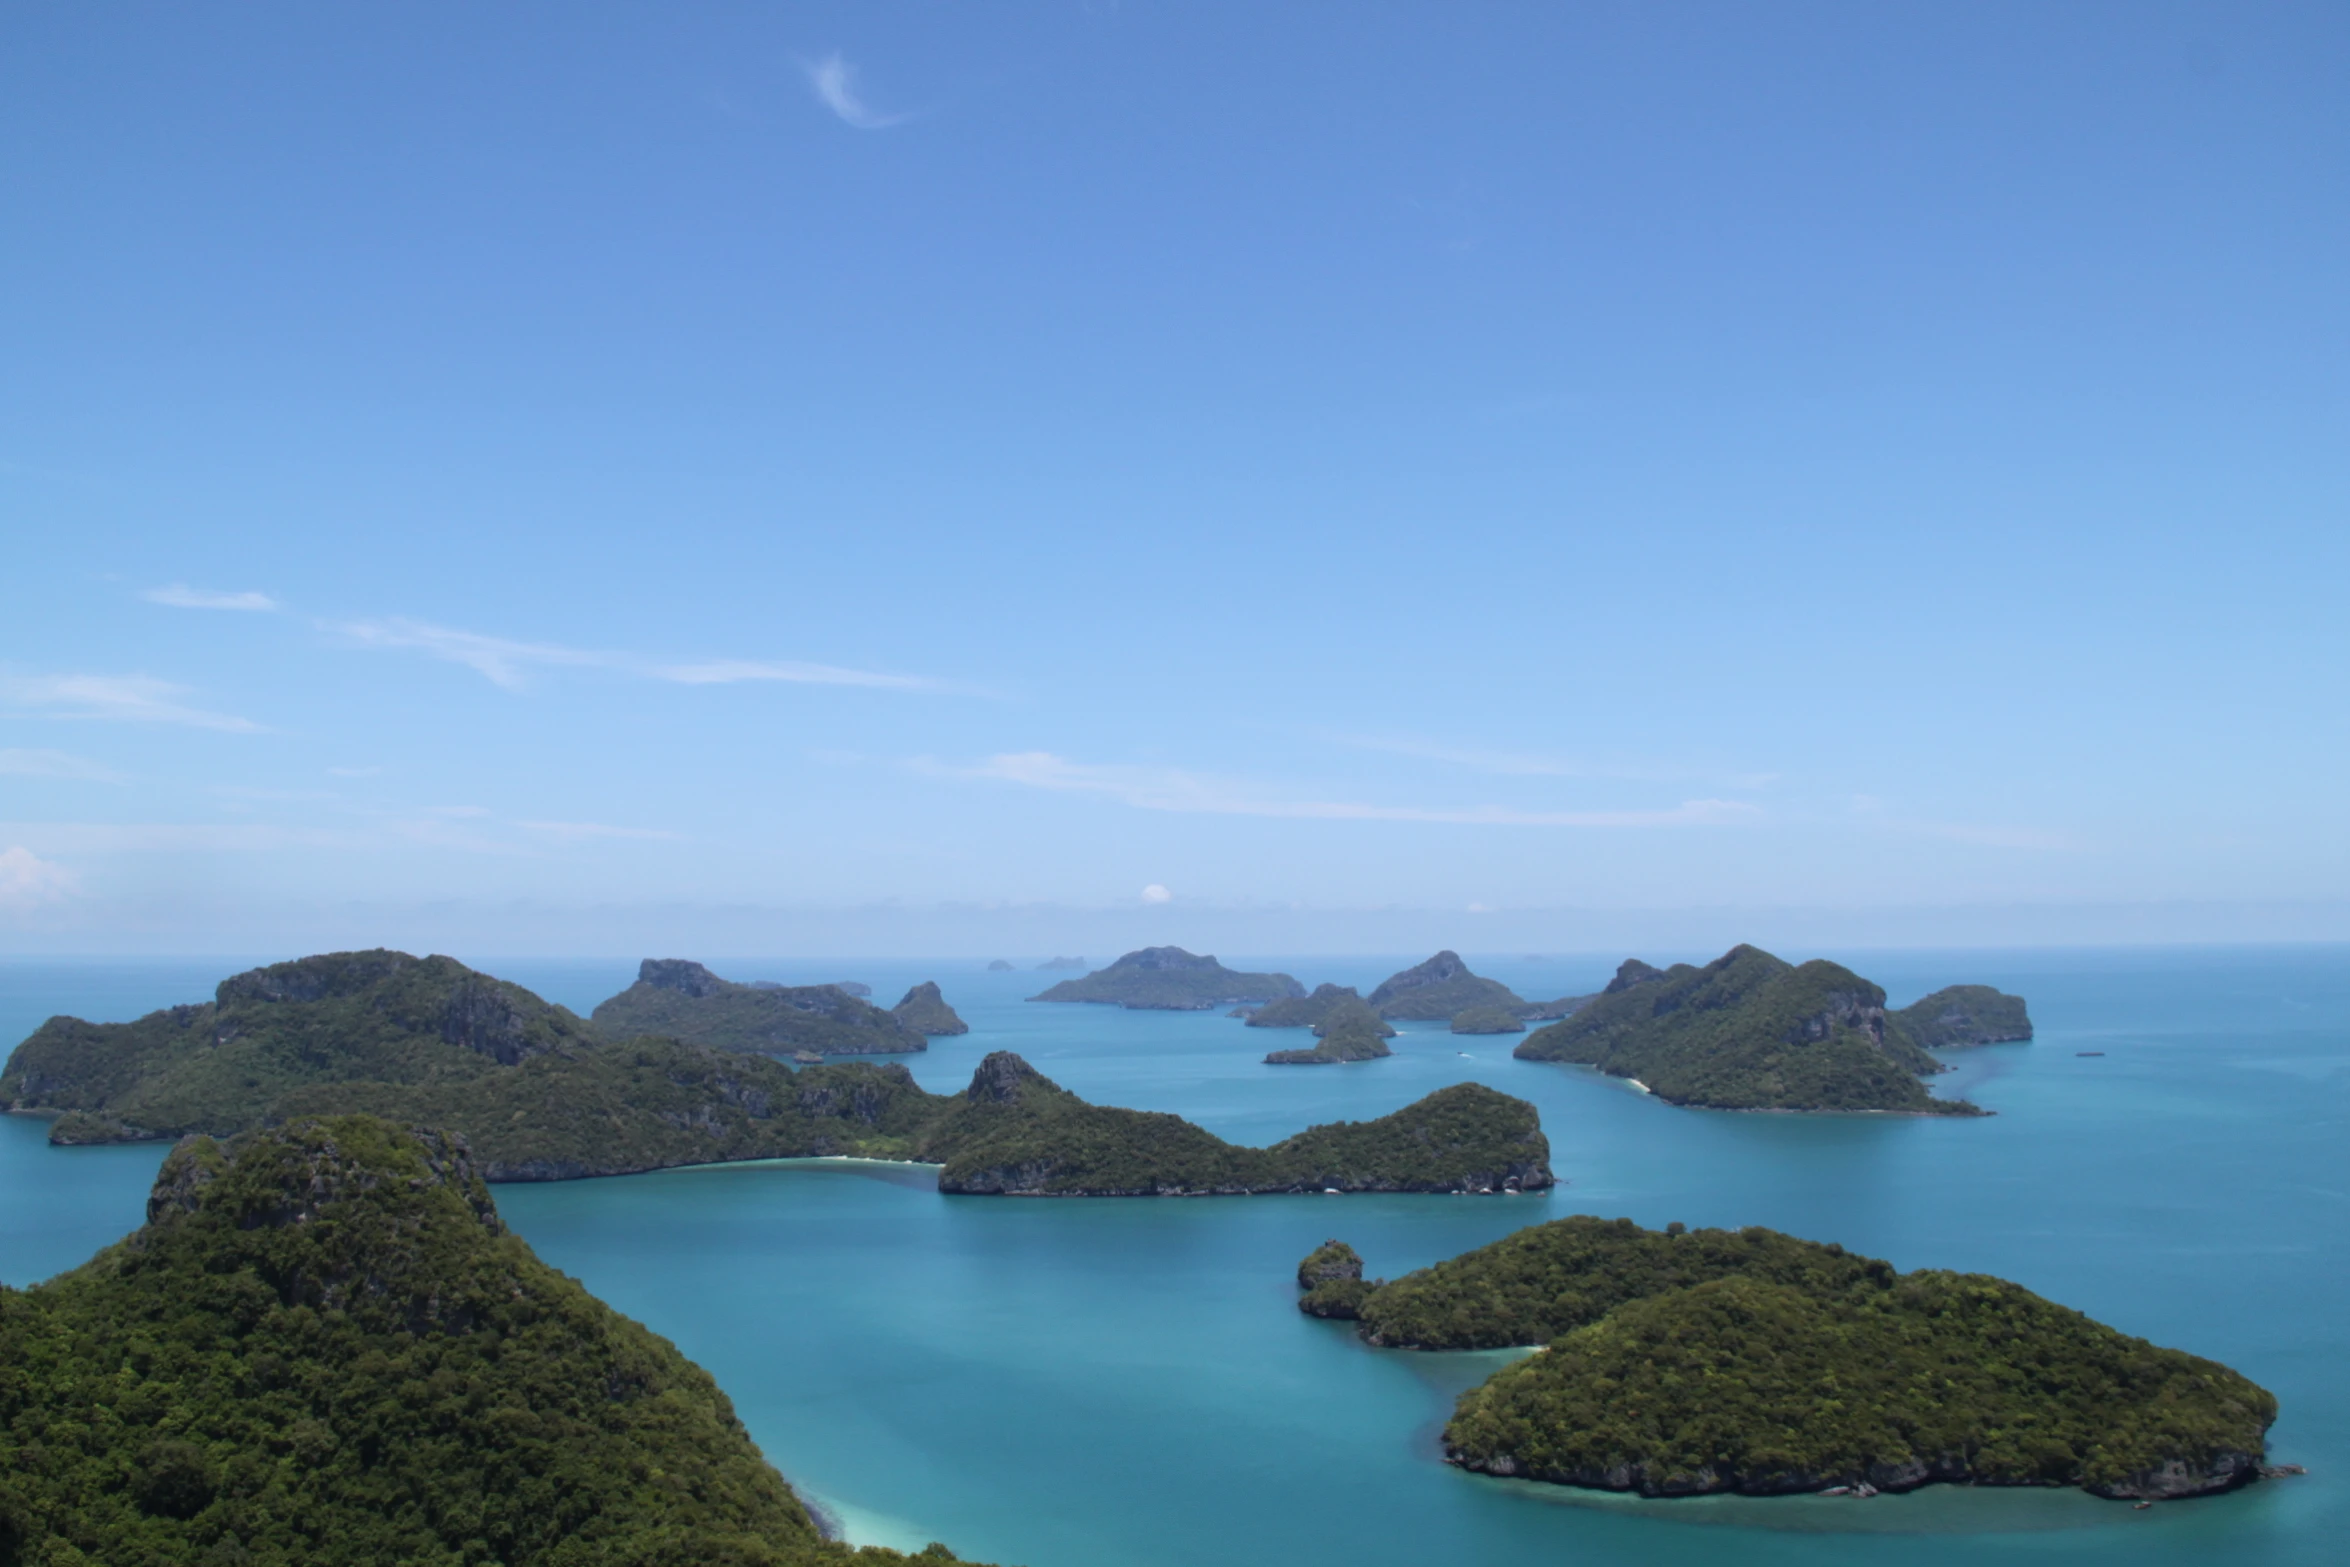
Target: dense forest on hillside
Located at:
point(1678, 1362)
point(1749, 1032)
point(324, 1349)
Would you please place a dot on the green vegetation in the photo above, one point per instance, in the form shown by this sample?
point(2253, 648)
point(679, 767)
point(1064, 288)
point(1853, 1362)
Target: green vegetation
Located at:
point(324, 1349)
point(1016, 1133)
point(343, 1017)
point(684, 1000)
point(925, 1011)
point(1433, 991)
point(538, 1097)
point(1300, 1011)
point(1488, 1020)
point(1966, 1015)
point(1170, 979)
point(1681, 1361)
point(1749, 1032)
point(1349, 1031)
point(1549, 1011)
point(1332, 1277)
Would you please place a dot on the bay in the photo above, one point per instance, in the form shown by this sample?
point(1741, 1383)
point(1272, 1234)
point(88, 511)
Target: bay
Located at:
point(1099, 1382)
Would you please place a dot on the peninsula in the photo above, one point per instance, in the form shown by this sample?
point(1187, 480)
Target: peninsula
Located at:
point(540, 1097)
point(1749, 1032)
point(1682, 1362)
point(1433, 991)
point(683, 1000)
point(1169, 979)
point(322, 1324)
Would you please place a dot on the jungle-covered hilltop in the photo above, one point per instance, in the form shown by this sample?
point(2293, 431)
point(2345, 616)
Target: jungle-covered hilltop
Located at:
point(1679, 1362)
point(1750, 1032)
point(926, 1012)
point(1301, 1011)
point(1433, 991)
point(540, 1096)
point(1962, 1015)
point(325, 1350)
point(1169, 979)
point(678, 999)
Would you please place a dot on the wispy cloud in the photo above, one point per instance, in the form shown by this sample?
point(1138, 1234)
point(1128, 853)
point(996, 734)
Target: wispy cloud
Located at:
point(510, 664)
point(1874, 811)
point(568, 831)
point(56, 764)
point(501, 661)
point(834, 82)
point(1519, 764)
point(720, 672)
point(1170, 789)
point(180, 596)
point(27, 881)
point(138, 699)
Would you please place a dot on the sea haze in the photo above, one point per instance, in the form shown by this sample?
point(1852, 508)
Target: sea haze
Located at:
point(1071, 1383)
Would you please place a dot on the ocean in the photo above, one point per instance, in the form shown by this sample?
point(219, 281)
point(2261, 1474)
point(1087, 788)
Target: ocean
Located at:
point(1094, 1383)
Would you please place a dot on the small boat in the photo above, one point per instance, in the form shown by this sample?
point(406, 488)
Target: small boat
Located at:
point(2139, 1507)
point(2088, 1052)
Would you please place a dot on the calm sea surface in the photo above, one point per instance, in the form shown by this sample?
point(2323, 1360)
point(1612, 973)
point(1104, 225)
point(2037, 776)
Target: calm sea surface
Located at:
point(1107, 1382)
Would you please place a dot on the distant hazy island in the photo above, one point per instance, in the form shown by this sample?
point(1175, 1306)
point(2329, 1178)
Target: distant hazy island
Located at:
point(1488, 1020)
point(541, 1096)
point(1173, 980)
point(324, 1348)
point(1302, 1011)
point(1683, 1362)
point(1963, 1015)
point(1750, 1032)
point(683, 1000)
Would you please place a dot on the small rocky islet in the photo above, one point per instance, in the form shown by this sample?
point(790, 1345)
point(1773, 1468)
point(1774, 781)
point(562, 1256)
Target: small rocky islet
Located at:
point(1683, 1362)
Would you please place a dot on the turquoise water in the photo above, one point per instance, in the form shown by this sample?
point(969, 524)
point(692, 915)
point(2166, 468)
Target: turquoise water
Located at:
point(1080, 1383)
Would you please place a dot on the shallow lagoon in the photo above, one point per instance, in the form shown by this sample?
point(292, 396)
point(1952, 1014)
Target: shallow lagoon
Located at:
point(1075, 1383)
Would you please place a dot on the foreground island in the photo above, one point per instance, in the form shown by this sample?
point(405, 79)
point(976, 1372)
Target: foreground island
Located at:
point(1749, 1031)
point(325, 1350)
point(1679, 1362)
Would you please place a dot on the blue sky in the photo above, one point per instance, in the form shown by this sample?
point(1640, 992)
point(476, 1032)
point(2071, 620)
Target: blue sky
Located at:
point(927, 473)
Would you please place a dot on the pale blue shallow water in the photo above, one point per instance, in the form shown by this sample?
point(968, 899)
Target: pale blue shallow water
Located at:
point(1087, 1383)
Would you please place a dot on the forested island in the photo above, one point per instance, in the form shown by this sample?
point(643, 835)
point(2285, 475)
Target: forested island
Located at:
point(324, 1350)
point(1962, 1015)
point(1680, 1362)
point(683, 1000)
point(1433, 991)
point(1302, 1011)
point(1348, 1030)
point(1751, 1032)
point(926, 1012)
point(541, 1096)
point(1169, 979)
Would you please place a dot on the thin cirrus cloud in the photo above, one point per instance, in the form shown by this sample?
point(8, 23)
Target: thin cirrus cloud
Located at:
point(180, 596)
point(834, 81)
point(134, 699)
point(1517, 764)
point(572, 831)
point(510, 664)
point(55, 764)
point(1170, 789)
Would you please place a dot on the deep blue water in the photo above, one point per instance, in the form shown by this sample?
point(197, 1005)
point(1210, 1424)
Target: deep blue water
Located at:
point(1082, 1383)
